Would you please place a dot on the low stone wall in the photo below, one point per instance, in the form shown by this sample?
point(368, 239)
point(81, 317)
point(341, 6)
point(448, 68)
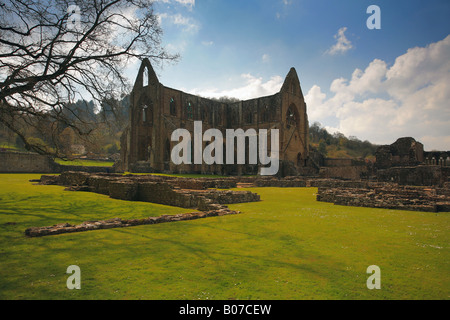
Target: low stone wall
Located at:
point(345, 172)
point(27, 162)
point(334, 183)
point(156, 189)
point(153, 189)
point(119, 223)
point(280, 183)
point(388, 196)
point(22, 162)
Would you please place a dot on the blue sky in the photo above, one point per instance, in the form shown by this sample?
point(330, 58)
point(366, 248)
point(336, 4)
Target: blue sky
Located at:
point(245, 49)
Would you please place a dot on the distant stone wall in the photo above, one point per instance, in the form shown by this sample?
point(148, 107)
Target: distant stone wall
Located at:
point(21, 162)
point(280, 183)
point(415, 176)
point(403, 152)
point(93, 169)
point(345, 172)
point(341, 162)
point(27, 162)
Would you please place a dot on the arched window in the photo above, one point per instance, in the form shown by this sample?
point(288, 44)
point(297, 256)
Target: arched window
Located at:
point(291, 117)
point(173, 107)
point(147, 115)
point(144, 113)
point(145, 77)
point(299, 159)
point(189, 111)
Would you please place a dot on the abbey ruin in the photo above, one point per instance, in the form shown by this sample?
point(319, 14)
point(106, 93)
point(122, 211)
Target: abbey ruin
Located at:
point(156, 111)
point(403, 176)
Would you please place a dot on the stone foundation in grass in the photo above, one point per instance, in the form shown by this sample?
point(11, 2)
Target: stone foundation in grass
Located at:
point(119, 223)
point(389, 196)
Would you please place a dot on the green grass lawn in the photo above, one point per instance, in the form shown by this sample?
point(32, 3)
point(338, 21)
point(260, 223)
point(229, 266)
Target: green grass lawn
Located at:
point(82, 162)
point(288, 246)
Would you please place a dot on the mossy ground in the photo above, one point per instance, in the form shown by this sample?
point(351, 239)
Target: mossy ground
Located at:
point(287, 246)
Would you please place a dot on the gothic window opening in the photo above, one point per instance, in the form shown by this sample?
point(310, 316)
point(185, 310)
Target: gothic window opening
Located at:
point(299, 159)
point(145, 77)
point(189, 111)
point(291, 118)
point(147, 115)
point(144, 113)
point(173, 107)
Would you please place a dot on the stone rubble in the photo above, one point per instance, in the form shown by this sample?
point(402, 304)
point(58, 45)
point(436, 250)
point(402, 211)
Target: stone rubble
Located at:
point(389, 196)
point(119, 223)
point(204, 194)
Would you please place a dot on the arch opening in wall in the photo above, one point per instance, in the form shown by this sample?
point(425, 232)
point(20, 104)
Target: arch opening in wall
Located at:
point(299, 159)
point(147, 114)
point(292, 116)
point(189, 112)
point(173, 107)
point(145, 77)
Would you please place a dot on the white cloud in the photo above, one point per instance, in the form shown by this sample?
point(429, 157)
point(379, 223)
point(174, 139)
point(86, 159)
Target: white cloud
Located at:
point(382, 103)
point(207, 43)
point(342, 44)
point(253, 87)
point(188, 24)
point(188, 3)
point(265, 58)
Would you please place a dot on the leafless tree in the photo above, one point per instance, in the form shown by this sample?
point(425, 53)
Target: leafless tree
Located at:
point(56, 52)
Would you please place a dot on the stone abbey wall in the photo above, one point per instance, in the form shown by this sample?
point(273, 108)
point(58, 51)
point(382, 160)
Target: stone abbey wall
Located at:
point(156, 111)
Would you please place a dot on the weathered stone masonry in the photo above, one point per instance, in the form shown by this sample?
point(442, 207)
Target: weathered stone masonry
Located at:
point(388, 196)
point(161, 190)
point(156, 111)
point(202, 194)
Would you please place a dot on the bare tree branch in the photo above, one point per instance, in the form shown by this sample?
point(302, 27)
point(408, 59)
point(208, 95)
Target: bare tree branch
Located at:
point(51, 57)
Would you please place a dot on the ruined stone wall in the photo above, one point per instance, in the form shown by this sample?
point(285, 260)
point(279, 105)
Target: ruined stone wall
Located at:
point(416, 176)
point(20, 162)
point(388, 196)
point(155, 189)
point(156, 111)
point(345, 172)
point(403, 152)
